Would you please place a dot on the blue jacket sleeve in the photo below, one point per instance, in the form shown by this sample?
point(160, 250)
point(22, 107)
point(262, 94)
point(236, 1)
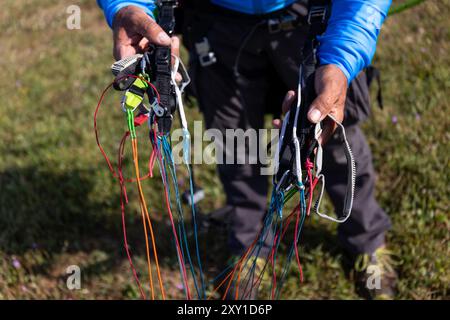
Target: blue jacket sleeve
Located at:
point(110, 7)
point(351, 36)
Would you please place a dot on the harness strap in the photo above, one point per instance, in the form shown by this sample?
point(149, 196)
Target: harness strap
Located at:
point(166, 15)
point(160, 60)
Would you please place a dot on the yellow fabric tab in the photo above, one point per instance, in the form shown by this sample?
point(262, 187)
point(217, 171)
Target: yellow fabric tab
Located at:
point(133, 100)
point(140, 83)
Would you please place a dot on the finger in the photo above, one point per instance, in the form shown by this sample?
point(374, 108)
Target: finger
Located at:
point(123, 51)
point(144, 45)
point(122, 47)
point(328, 128)
point(178, 78)
point(175, 46)
point(148, 27)
point(288, 100)
point(276, 123)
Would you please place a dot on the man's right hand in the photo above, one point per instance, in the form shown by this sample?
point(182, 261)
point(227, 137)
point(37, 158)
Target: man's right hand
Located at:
point(134, 30)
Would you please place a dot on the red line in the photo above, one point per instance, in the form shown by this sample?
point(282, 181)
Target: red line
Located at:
point(123, 196)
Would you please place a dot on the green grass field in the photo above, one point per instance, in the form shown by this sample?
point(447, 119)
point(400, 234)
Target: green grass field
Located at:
point(59, 206)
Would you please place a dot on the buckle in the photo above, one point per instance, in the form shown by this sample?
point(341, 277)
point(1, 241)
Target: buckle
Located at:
point(207, 59)
point(205, 55)
point(286, 22)
point(274, 25)
point(317, 14)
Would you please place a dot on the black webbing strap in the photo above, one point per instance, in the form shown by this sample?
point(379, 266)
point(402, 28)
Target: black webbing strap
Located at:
point(318, 13)
point(161, 57)
point(166, 15)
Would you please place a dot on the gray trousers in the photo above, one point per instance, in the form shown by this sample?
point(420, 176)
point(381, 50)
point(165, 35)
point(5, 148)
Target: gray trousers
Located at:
point(267, 67)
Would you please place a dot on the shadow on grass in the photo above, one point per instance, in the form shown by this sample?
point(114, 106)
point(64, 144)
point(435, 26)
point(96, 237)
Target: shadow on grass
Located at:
point(57, 213)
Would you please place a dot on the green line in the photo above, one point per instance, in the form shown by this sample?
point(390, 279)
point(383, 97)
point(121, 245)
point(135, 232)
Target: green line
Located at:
point(402, 7)
point(289, 195)
point(130, 123)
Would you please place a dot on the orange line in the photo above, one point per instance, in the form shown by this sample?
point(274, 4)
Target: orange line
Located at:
point(144, 207)
point(230, 275)
point(240, 271)
point(148, 254)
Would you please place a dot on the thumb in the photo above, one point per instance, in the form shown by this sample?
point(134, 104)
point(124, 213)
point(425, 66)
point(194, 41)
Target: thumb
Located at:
point(331, 87)
point(320, 108)
point(148, 28)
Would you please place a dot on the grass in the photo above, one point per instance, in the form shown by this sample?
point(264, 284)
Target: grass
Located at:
point(59, 205)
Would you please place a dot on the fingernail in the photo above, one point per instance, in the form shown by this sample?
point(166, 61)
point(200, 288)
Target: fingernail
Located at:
point(163, 38)
point(315, 115)
point(288, 96)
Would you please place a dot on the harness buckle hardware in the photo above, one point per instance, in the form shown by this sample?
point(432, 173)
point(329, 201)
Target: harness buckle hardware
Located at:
point(274, 25)
point(157, 109)
point(317, 14)
point(286, 22)
point(206, 57)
